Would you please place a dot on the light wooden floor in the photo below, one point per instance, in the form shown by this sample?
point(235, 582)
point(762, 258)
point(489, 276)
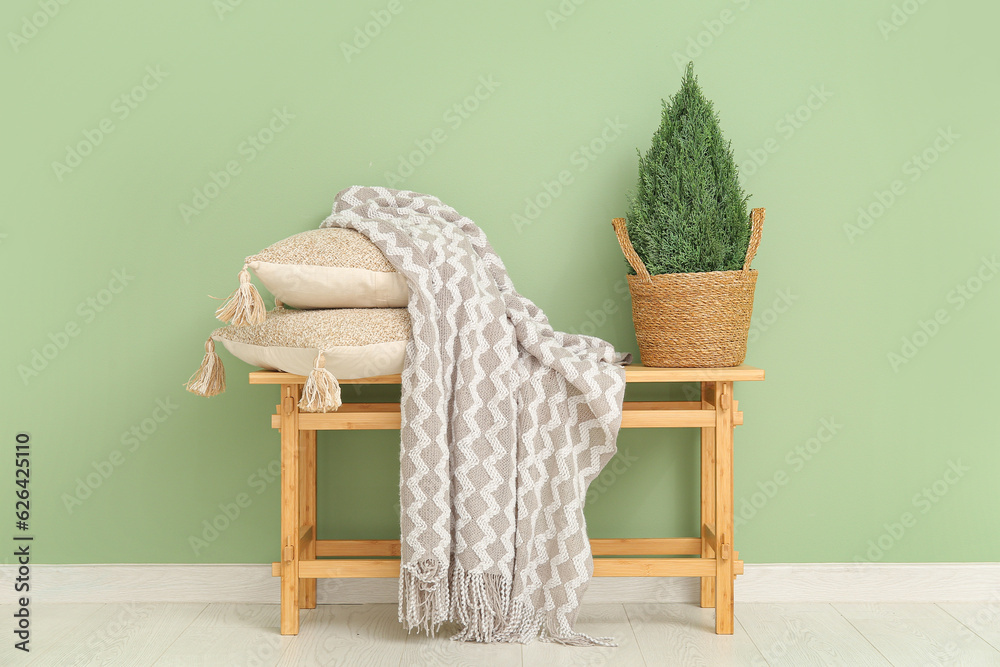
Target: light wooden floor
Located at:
point(796, 635)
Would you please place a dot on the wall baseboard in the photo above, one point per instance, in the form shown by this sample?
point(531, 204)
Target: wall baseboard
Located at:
point(806, 582)
point(869, 582)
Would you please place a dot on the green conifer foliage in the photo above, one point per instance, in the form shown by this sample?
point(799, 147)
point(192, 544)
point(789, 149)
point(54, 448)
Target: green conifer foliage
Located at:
point(689, 213)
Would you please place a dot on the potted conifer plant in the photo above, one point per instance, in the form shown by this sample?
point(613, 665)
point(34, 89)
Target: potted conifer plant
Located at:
point(690, 241)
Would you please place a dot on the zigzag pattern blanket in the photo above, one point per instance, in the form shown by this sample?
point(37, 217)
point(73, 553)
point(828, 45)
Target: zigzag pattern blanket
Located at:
point(505, 422)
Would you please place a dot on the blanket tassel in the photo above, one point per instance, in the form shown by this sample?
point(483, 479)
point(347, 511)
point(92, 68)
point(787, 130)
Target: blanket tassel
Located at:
point(563, 634)
point(322, 391)
point(210, 378)
point(244, 305)
point(423, 596)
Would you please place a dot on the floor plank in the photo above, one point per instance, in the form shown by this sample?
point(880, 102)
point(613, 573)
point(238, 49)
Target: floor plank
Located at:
point(778, 635)
point(596, 620)
point(982, 618)
point(918, 634)
point(123, 634)
point(684, 634)
point(232, 634)
point(348, 635)
point(803, 635)
point(243, 615)
point(224, 647)
point(49, 624)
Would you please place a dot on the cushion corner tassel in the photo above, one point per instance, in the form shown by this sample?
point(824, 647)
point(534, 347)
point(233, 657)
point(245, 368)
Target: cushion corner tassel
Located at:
point(244, 305)
point(321, 392)
point(210, 378)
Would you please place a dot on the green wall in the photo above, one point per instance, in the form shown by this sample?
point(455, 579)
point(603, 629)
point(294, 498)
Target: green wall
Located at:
point(831, 107)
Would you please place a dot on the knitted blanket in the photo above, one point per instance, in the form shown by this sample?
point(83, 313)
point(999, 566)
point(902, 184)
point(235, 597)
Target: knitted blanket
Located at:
point(505, 423)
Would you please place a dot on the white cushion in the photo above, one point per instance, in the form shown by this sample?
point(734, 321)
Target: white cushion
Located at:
point(308, 286)
point(330, 268)
point(356, 343)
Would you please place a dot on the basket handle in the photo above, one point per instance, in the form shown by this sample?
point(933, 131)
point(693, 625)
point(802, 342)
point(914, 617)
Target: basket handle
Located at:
point(626, 243)
point(756, 224)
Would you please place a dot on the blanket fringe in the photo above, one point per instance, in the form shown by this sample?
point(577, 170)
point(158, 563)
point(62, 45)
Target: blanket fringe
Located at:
point(566, 636)
point(423, 596)
point(244, 305)
point(481, 605)
point(527, 623)
point(210, 378)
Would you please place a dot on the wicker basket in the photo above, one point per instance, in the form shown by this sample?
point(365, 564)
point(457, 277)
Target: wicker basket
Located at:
point(692, 320)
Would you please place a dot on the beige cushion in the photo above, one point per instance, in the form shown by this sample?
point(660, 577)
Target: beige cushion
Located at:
point(330, 268)
point(356, 342)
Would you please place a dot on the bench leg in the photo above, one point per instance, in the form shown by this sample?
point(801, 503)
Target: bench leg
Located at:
point(707, 492)
point(724, 508)
point(289, 410)
point(307, 512)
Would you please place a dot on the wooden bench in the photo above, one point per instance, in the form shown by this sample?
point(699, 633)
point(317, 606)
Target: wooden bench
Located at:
point(710, 556)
